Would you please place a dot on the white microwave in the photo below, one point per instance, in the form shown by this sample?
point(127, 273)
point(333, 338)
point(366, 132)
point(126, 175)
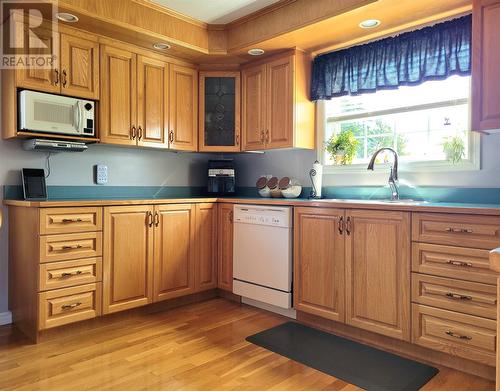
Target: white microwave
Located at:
point(48, 113)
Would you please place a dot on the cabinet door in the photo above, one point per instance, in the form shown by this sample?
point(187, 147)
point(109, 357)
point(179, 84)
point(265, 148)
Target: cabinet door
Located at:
point(254, 108)
point(206, 246)
point(319, 262)
point(79, 67)
point(279, 118)
point(127, 257)
point(118, 105)
point(152, 99)
point(485, 60)
point(183, 108)
point(378, 272)
point(175, 253)
point(225, 247)
point(219, 120)
point(45, 80)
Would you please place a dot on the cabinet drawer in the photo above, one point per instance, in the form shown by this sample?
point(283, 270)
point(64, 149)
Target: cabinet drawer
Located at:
point(458, 230)
point(461, 296)
point(70, 273)
point(70, 246)
point(461, 335)
point(68, 305)
point(69, 220)
point(455, 262)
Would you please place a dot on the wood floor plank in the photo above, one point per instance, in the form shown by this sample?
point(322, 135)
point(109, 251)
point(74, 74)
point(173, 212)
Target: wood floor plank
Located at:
point(197, 347)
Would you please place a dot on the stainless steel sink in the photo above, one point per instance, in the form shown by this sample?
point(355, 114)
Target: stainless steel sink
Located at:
point(403, 202)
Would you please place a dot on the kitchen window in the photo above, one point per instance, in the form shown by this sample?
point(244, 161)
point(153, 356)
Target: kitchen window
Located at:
point(428, 125)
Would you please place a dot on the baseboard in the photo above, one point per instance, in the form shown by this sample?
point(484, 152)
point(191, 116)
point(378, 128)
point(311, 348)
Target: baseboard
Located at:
point(5, 318)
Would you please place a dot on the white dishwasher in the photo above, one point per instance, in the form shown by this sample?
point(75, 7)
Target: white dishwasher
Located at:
point(262, 256)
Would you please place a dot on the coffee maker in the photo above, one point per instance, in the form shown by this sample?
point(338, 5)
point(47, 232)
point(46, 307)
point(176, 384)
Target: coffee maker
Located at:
point(221, 177)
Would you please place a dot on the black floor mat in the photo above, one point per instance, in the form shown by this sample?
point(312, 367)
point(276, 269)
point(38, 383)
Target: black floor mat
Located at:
point(352, 362)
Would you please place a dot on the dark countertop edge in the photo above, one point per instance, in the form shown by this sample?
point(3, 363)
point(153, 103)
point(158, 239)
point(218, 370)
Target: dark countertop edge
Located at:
point(483, 209)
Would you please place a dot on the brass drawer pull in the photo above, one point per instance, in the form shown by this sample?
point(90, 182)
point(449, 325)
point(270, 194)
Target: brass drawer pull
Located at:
point(262, 136)
point(64, 78)
point(66, 274)
point(73, 247)
point(157, 219)
point(458, 297)
point(72, 220)
point(150, 219)
point(70, 306)
point(341, 225)
point(459, 263)
point(237, 139)
point(56, 81)
point(139, 137)
point(454, 335)
point(348, 228)
point(171, 136)
point(459, 230)
point(134, 132)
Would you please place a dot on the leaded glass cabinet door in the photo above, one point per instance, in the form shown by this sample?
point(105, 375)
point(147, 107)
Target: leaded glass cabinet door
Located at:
point(219, 122)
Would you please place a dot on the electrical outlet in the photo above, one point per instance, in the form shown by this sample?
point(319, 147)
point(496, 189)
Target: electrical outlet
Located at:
point(101, 174)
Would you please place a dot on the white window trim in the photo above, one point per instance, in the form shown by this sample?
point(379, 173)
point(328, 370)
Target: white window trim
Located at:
point(472, 164)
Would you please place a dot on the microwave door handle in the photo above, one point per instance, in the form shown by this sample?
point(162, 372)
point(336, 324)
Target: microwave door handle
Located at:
point(78, 116)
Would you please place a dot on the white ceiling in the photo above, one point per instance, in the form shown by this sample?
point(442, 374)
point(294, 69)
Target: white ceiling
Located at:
point(215, 11)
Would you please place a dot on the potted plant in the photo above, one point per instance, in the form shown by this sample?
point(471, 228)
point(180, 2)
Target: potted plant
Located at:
point(342, 147)
point(454, 149)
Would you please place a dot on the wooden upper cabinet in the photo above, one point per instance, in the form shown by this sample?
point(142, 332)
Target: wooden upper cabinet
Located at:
point(319, 281)
point(254, 108)
point(79, 68)
point(45, 80)
point(378, 272)
point(276, 110)
point(118, 105)
point(127, 257)
point(152, 100)
point(183, 108)
point(175, 252)
point(206, 246)
point(225, 247)
point(485, 60)
point(219, 117)
point(279, 121)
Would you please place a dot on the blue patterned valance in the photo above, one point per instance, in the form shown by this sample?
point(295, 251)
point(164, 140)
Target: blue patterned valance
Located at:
point(432, 53)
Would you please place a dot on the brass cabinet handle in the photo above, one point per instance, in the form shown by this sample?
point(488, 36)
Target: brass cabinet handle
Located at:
point(348, 226)
point(171, 136)
point(459, 230)
point(70, 306)
point(76, 273)
point(72, 220)
point(157, 219)
point(231, 216)
point(262, 136)
point(150, 219)
point(64, 78)
point(139, 137)
point(459, 336)
point(341, 225)
point(456, 296)
point(134, 132)
point(267, 136)
point(72, 247)
point(459, 263)
point(56, 78)
point(237, 139)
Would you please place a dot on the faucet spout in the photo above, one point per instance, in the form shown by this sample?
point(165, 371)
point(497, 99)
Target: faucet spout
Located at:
point(393, 177)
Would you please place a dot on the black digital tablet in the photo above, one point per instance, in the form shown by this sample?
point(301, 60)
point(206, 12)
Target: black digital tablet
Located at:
point(34, 187)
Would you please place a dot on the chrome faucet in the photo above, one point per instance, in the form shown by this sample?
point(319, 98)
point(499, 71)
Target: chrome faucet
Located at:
point(393, 177)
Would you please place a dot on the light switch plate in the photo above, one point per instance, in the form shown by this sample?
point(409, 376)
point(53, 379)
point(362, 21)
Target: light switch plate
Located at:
point(101, 174)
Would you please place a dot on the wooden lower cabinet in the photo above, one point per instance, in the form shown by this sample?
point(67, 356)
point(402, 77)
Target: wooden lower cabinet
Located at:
point(319, 282)
point(378, 272)
point(225, 247)
point(127, 257)
point(175, 255)
point(206, 246)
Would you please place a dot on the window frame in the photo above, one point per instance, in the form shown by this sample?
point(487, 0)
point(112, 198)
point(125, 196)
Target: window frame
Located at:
point(471, 164)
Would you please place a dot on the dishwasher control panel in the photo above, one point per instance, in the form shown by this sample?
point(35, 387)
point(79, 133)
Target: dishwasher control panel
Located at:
point(263, 215)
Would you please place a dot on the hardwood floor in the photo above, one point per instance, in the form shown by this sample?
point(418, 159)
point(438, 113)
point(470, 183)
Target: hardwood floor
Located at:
point(197, 347)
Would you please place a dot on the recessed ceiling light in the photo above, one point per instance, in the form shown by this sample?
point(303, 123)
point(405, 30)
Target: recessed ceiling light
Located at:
point(66, 17)
point(369, 23)
point(161, 46)
point(256, 52)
